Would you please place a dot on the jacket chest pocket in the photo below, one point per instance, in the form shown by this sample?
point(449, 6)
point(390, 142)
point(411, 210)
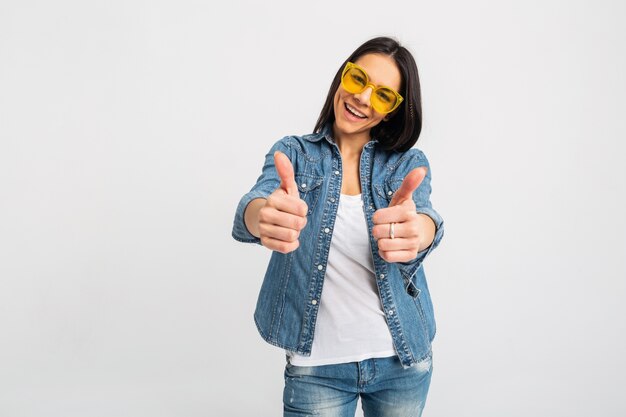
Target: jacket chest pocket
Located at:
point(387, 189)
point(309, 187)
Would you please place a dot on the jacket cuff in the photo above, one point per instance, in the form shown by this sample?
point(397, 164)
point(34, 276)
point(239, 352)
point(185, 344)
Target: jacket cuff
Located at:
point(240, 231)
point(409, 269)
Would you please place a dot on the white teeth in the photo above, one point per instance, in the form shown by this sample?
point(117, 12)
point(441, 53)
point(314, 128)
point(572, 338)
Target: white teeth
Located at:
point(354, 111)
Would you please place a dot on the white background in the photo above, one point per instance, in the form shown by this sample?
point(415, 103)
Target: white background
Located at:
point(130, 129)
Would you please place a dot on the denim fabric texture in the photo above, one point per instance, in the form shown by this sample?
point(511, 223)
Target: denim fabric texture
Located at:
point(386, 389)
point(288, 301)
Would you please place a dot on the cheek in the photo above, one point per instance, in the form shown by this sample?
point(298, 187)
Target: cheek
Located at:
point(377, 117)
point(337, 97)
point(336, 101)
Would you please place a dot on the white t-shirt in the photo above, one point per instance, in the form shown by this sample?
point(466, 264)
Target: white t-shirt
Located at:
point(350, 324)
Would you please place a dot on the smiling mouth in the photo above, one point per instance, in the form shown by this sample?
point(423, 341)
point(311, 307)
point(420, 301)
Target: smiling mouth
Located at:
point(354, 111)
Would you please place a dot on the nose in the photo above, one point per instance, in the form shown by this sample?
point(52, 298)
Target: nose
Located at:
point(364, 96)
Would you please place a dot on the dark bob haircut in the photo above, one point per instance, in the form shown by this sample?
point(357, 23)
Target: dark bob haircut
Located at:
point(401, 131)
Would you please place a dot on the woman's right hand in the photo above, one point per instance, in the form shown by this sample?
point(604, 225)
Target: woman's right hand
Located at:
point(284, 214)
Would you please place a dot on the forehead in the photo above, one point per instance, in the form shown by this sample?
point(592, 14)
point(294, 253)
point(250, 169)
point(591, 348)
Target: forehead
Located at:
point(381, 69)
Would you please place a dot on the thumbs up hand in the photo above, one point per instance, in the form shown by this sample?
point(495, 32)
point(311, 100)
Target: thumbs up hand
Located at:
point(284, 214)
point(400, 230)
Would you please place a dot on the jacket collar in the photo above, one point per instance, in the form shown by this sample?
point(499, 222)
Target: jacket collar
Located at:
point(327, 133)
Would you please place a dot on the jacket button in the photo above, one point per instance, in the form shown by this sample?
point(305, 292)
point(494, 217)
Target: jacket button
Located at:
point(382, 276)
point(320, 267)
point(314, 302)
point(336, 172)
point(332, 200)
point(303, 185)
point(391, 312)
point(389, 192)
point(327, 230)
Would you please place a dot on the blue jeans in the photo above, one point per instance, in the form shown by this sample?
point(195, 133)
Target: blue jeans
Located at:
point(385, 387)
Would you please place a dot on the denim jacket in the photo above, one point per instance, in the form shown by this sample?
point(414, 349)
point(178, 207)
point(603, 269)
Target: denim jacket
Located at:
point(289, 298)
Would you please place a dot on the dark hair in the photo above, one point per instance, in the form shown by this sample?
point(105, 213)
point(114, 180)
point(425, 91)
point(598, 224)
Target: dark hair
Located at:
point(401, 131)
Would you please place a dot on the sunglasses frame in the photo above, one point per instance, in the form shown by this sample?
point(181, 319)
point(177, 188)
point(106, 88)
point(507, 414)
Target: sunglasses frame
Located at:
point(349, 66)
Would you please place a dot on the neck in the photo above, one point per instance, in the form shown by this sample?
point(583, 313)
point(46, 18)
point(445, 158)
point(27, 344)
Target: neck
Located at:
point(350, 145)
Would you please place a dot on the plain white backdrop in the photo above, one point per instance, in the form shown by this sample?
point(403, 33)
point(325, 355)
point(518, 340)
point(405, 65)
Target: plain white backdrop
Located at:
point(130, 129)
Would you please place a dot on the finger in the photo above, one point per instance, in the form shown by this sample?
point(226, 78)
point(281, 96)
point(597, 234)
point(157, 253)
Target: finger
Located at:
point(410, 244)
point(395, 214)
point(278, 232)
point(285, 172)
point(288, 204)
point(270, 215)
point(400, 230)
point(409, 185)
point(278, 245)
point(398, 255)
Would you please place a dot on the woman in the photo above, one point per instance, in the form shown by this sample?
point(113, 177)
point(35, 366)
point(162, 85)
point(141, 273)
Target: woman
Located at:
point(346, 211)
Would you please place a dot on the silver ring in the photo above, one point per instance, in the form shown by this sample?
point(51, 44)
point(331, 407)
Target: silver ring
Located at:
point(392, 234)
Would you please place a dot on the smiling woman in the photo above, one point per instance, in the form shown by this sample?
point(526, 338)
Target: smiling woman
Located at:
point(347, 212)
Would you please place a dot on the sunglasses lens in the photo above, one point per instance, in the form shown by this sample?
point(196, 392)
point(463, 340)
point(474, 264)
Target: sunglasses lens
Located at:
point(354, 80)
point(383, 100)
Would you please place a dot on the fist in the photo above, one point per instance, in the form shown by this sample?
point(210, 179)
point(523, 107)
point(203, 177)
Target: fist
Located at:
point(284, 214)
point(399, 228)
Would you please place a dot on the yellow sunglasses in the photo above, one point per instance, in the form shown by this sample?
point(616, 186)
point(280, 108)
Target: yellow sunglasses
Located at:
point(355, 80)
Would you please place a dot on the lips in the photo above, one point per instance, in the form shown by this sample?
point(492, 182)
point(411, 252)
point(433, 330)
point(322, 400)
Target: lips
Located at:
point(354, 112)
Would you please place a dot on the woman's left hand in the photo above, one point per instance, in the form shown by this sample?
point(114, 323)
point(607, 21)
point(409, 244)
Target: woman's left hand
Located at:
point(400, 230)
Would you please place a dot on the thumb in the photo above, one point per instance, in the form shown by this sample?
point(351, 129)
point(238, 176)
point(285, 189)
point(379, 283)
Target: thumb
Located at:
point(285, 172)
point(409, 185)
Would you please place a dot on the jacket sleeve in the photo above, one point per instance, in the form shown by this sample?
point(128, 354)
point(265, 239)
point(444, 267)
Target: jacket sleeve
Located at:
point(421, 197)
point(265, 185)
